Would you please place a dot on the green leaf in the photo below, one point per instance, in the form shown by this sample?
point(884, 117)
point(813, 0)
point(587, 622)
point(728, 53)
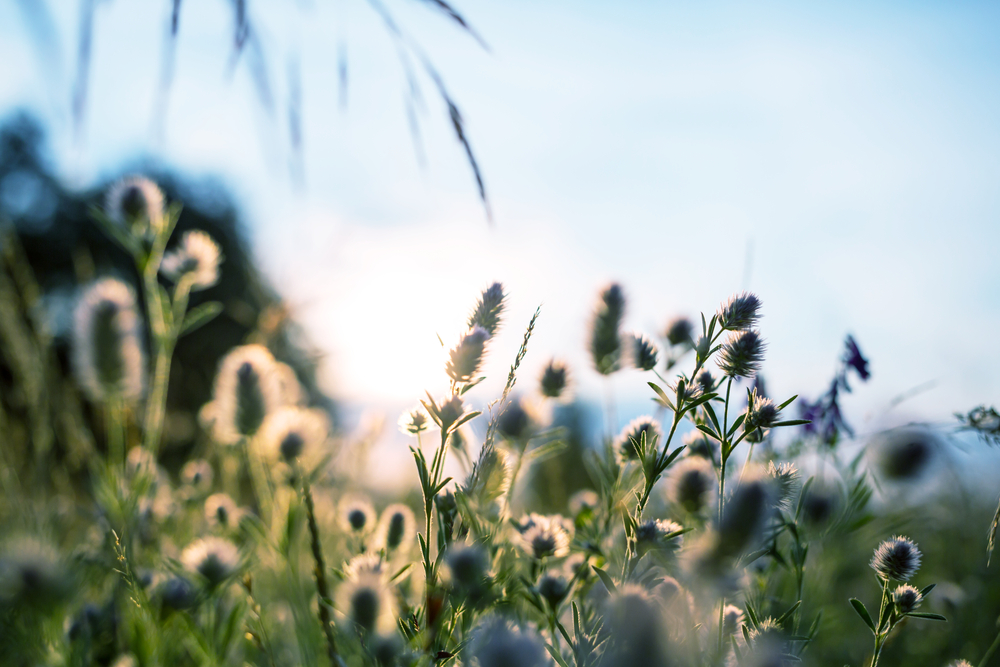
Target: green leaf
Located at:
point(465, 418)
point(555, 655)
point(802, 496)
point(787, 614)
point(927, 590)
point(545, 452)
point(709, 432)
point(710, 411)
point(117, 233)
point(606, 578)
point(736, 424)
point(859, 607)
point(200, 316)
point(929, 617)
point(659, 392)
point(791, 422)
point(787, 403)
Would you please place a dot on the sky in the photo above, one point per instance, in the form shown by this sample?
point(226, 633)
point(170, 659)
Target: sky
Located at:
point(841, 160)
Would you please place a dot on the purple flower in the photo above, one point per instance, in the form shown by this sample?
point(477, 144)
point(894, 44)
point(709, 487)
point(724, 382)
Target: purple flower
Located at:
point(854, 359)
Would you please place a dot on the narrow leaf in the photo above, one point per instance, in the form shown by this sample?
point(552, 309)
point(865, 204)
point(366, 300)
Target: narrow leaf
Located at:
point(200, 316)
point(859, 607)
point(606, 578)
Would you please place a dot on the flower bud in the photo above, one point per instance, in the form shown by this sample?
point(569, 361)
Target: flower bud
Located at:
point(679, 331)
point(605, 335)
point(554, 379)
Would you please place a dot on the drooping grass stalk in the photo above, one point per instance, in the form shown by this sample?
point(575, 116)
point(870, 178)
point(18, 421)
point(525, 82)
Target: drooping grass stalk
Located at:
point(319, 572)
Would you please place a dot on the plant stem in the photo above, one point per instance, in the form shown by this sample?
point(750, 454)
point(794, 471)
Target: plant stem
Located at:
point(319, 572)
point(990, 651)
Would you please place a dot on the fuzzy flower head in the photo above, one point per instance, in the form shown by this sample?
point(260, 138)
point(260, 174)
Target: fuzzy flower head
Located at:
point(196, 259)
point(740, 312)
point(516, 423)
point(108, 358)
point(584, 500)
point(745, 517)
point(761, 412)
point(290, 433)
point(705, 381)
point(413, 421)
point(32, 574)
point(367, 603)
point(356, 514)
point(784, 478)
point(905, 454)
point(636, 622)
point(497, 643)
point(137, 202)
point(554, 379)
point(643, 352)
point(247, 390)
point(545, 536)
point(906, 598)
point(467, 565)
point(679, 331)
point(659, 534)
point(197, 475)
point(692, 484)
point(465, 359)
point(605, 330)
point(397, 528)
point(732, 619)
point(553, 586)
point(489, 309)
point(699, 444)
point(221, 511)
point(897, 558)
point(959, 663)
point(631, 437)
point(364, 565)
point(742, 354)
point(214, 558)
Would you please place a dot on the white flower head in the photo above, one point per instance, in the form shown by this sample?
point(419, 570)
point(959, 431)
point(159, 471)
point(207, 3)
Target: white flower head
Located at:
point(221, 511)
point(108, 359)
point(136, 201)
point(397, 529)
point(198, 475)
point(290, 433)
point(367, 602)
point(247, 390)
point(356, 514)
point(214, 558)
point(364, 565)
point(497, 642)
point(196, 258)
point(545, 536)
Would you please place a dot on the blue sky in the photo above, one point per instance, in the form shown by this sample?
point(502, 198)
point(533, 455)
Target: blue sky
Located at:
point(850, 149)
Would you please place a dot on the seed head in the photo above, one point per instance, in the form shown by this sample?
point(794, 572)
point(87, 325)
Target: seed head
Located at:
point(366, 564)
point(176, 593)
point(221, 511)
point(605, 334)
point(700, 445)
point(290, 433)
point(367, 602)
point(637, 628)
point(465, 358)
point(356, 514)
point(137, 202)
point(897, 558)
point(742, 354)
point(679, 331)
point(450, 412)
point(397, 529)
point(214, 558)
point(554, 587)
point(108, 358)
point(643, 352)
point(692, 484)
point(631, 437)
point(413, 421)
point(906, 598)
point(515, 422)
point(195, 258)
point(959, 663)
point(197, 475)
point(247, 390)
point(740, 312)
point(819, 504)
point(554, 379)
point(496, 643)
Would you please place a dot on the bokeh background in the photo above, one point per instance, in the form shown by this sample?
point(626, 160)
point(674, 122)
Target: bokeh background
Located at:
point(838, 159)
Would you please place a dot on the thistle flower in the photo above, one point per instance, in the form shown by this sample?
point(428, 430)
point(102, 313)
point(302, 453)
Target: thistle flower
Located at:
point(32, 574)
point(197, 475)
point(745, 516)
point(784, 478)
point(367, 603)
point(905, 454)
point(740, 312)
point(247, 390)
point(467, 564)
point(214, 558)
point(554, 379)
point(631, 437)
point(741, 354)
point(906, 598)
point(732, 619)
point(413, 421)
point(897, 558)
point(397, 529)
point(761, 412)
point(465, 358)
point(488, 310)
point(496, 643)
point(605, 335)
point(108, 358)
point(221, 511)
point(195, 258)
point(137, 202)
point(545, 536)
point(679, 331)
point(643, 353)
point(290, 433)
point(659, 534)
point(356, 514)
point(692, 484)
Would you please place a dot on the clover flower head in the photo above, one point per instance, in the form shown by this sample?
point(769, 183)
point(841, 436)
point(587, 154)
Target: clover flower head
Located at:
point(554, 379)
point(583, 500)
point(32, 574)
point(489, 309)
point(679, 331)
point(367, 602)
point(959, 663)
point(897, 558)
point(214, 558)
point(740, 312)
point(906, 598)
point(631, 437)
point(176, 593)
point(465, 359)
point(467, 564)
point(636, 622)
point(742, 354)
point(196, 258)
point(413, 421)
point(247, 390)
point(761, 412)
point(745, 517)
point(107, 353)
point(767, 630)
point(197, 474)
point(553, 586)
point(659, 533)
point(516, 422)
point(397, 529)
point(221, 511)
point(545, 536)
point(905, 454)
point(692, 484)
point(497, 643)
point(732, 619)
point(290, 433)
point(784, 477)
point(643, 352)
point(136, 201)
point(366, 564)
point(356, 514)
point(605, 330)
point(699, 444)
